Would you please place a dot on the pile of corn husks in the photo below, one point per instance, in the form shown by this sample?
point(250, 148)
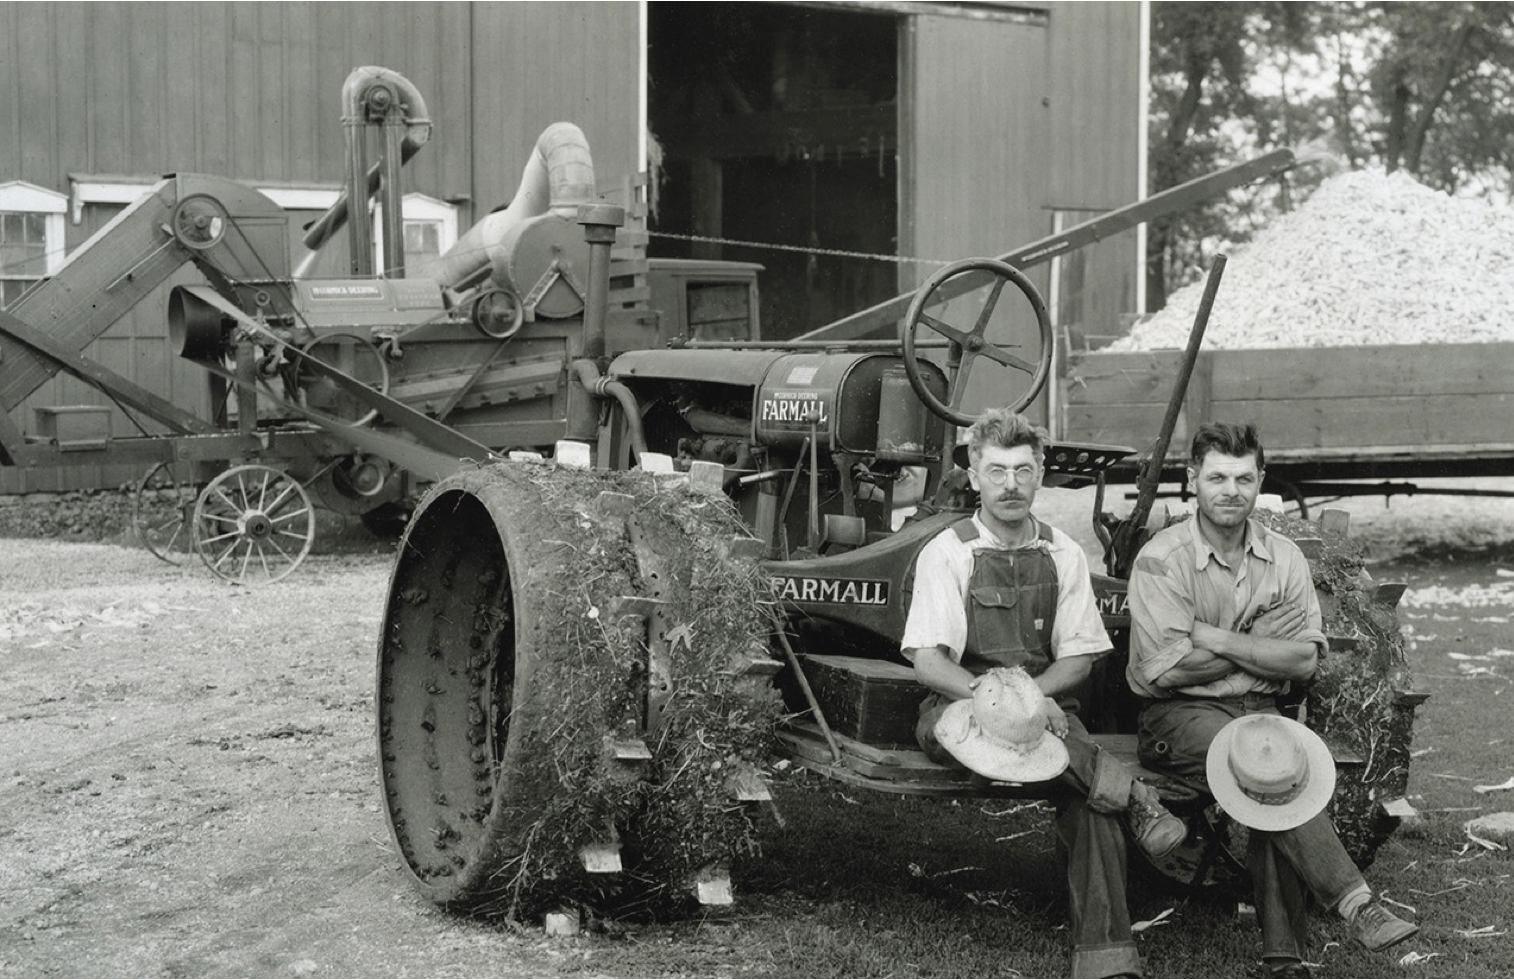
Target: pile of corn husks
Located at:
point(1368, 259)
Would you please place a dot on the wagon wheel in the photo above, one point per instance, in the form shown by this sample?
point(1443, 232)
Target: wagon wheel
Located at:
point(163, 528)
point(971, 344)
point(351, 354)
point(472, 668)
point(253, 524)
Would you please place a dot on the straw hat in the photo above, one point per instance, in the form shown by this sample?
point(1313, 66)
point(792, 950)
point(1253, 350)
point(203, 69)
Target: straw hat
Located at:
point(1269, 772)
point(1000, 732)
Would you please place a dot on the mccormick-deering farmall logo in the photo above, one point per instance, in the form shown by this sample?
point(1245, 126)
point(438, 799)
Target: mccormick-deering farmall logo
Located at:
point(840, 591)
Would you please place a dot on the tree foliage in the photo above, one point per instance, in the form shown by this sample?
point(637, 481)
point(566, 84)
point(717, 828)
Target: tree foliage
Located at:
point(1422, 87)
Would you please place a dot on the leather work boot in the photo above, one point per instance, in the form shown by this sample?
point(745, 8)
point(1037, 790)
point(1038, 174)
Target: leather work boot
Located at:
point(1377, 928)
point(1154, 828)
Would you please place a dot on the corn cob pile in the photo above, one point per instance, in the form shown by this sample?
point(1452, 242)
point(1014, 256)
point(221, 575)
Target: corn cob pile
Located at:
point(1369, 259)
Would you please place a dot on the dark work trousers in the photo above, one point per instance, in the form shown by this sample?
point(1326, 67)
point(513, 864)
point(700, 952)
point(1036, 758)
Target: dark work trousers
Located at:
point(1088, 827)
point(1285, 865)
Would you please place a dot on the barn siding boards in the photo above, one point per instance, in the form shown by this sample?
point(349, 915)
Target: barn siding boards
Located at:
point(977, 149)
point(536, 64)
point(1094, 86)
point(1092, 156)
point(250, 91)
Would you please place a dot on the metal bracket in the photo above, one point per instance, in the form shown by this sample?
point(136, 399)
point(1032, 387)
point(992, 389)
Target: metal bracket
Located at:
point(554, 272)
point(659, 654)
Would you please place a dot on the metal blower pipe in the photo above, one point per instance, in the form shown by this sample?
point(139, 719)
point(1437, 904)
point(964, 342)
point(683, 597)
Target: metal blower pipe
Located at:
point(558, 177)
point(417, 132)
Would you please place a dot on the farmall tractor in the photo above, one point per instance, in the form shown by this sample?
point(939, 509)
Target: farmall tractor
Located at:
point(584, 674)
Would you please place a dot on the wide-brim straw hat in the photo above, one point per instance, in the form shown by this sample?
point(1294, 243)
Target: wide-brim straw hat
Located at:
point(1000, 732)
point(1269, 772)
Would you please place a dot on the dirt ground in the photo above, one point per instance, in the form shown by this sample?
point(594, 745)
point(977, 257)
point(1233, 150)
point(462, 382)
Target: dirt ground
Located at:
point(188, 784)
point(187, 775)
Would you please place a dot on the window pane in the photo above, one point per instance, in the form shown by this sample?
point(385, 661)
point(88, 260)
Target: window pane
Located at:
point(12, 226)
point(423, 236)
point(423, 246)
point(35, 232)
point(22, 260)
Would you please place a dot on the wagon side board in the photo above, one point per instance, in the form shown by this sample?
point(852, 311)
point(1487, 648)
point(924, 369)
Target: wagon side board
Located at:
point(1377, 411)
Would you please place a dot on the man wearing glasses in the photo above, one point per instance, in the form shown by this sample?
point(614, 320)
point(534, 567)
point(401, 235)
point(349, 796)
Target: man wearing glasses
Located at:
point(1002, 589)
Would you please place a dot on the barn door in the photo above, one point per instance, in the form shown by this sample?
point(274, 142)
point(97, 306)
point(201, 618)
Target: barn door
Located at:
point(974, 159)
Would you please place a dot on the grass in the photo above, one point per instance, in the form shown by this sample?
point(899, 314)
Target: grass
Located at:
point(866, 885)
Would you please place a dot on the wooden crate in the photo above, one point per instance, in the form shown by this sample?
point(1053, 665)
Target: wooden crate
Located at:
point(1310, 400)
point(872, 701)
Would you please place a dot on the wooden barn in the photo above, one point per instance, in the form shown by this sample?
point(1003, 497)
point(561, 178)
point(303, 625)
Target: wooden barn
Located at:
point(836, 143)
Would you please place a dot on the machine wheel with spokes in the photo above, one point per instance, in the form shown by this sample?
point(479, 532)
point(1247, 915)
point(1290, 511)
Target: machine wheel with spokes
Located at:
point(353, 355)
point(253, 524)
point(162, 510)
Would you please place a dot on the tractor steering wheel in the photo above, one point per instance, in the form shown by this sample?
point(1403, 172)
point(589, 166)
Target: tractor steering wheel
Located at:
point(969, 345)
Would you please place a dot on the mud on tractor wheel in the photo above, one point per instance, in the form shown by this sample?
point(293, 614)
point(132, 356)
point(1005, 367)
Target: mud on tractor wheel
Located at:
point(574, 691)
point(1361, 702)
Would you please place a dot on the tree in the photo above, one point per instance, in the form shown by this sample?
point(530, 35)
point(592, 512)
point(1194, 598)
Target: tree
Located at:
point(1422, 87)
point(1442, 68)
point(1202, 61)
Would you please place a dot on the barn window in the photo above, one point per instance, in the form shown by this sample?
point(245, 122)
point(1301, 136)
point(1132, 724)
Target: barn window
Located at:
point(31, 237)
point(430, 229)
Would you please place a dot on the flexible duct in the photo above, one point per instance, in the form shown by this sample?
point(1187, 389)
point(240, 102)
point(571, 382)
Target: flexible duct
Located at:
point(596, 384)
point(417, 131)
point(558, 177)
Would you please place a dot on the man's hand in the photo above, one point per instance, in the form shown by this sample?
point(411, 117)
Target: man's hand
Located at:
point(1056, 719)
point(1285, 622)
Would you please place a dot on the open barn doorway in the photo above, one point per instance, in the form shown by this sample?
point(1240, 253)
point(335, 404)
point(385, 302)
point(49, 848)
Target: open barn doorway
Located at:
point(778, 124)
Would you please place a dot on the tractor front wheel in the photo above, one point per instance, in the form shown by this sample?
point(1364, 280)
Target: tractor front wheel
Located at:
point(562, 670)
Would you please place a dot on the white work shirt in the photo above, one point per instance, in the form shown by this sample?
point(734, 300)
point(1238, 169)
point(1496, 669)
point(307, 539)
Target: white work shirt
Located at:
point(938, 610)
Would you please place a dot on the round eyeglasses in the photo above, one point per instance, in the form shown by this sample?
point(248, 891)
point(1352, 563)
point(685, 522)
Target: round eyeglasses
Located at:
point(1000, 475)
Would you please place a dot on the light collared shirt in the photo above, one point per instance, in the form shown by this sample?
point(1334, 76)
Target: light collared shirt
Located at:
point(1179, 579)
point(938, 611)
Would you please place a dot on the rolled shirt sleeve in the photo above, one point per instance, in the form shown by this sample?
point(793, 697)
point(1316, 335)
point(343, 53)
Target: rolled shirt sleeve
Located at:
point(937, 616)
point(1161, 621)
point(1078, 630)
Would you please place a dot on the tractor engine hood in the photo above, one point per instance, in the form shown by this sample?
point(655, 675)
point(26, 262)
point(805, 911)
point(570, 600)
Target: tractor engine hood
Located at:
point(856, 402)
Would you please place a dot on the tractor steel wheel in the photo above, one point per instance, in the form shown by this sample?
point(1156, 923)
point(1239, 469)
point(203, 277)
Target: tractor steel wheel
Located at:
point(508, 640)
point(1361, 702)
point(253, 524)
point(460, 644)
point(162, 510)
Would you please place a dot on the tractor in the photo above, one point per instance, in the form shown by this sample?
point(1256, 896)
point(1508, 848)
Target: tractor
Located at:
point(588, 662)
